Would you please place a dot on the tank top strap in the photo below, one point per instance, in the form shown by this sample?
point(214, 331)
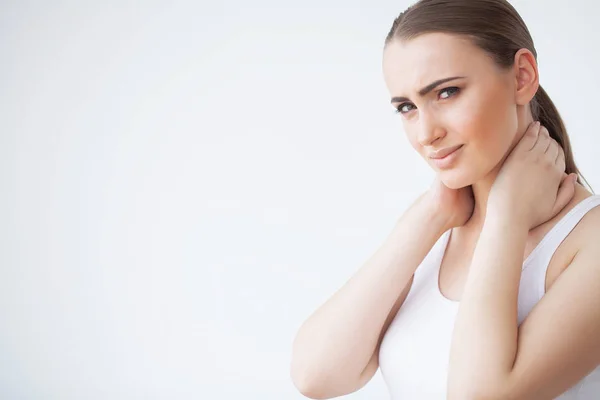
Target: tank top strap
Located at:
point(561, 230)
point(432, 260)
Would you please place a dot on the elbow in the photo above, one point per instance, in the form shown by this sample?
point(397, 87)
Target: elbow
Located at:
point(314, 384)
point(322, 387)
point(316, 380)
point(307, 379)
point(309, 388)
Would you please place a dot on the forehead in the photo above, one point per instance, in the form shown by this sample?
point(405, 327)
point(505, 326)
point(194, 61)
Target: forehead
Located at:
point(412, 64)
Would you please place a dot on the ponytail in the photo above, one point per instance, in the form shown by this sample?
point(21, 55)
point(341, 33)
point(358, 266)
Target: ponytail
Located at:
point(543, 110)
point(496, 28)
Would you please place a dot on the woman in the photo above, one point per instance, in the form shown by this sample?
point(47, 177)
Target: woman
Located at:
point(489, 285)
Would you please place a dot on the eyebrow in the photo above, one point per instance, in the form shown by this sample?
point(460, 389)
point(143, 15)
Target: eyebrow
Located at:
point(427, 88)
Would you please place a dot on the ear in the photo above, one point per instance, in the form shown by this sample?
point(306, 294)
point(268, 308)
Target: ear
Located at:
point(526, 76)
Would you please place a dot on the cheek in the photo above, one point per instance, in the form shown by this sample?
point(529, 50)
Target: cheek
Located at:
point(487, 122)
point(490, 127)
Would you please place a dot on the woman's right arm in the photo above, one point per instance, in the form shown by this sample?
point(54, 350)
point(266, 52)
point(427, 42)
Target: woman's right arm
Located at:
point(335, 351)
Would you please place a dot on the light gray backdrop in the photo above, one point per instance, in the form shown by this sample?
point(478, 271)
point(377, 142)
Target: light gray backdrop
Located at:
point(183, 183)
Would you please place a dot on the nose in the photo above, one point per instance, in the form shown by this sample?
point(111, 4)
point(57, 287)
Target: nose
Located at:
point(429, 130)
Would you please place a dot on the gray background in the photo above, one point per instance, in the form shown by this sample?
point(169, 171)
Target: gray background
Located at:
point(183, 183)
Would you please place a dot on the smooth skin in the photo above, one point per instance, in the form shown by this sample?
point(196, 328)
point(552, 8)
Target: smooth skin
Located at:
point(336, 350)
point(485, 336)
point(519, 192)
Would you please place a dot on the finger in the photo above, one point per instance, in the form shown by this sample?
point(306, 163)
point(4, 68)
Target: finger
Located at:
point(543, 142)
point(550, 147)
point(560, 159)
point(565, 194)
point(553, 150)
point(530, 137)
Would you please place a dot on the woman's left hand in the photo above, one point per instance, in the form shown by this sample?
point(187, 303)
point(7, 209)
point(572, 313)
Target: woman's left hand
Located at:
point(532, 185)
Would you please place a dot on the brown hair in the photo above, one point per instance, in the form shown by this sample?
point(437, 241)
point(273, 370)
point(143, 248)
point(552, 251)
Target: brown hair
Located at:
point(495, 27)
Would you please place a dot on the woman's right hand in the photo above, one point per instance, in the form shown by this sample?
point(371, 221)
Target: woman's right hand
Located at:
point(454, 206)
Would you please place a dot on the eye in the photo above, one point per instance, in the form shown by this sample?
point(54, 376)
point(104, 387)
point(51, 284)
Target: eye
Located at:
point(402, 108)
point(450, 91)
point(442, 94)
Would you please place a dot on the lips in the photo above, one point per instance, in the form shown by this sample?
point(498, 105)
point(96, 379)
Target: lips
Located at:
point(443, 152)
point(449, 160)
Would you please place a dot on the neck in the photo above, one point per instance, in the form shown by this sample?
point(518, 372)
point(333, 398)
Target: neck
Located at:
point(482, 188)
point(481, 193)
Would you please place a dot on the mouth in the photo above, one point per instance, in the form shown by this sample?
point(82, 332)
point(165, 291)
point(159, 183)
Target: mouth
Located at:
point(449, 159)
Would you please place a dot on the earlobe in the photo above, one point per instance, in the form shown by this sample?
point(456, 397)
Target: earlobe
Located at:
point(526, 75)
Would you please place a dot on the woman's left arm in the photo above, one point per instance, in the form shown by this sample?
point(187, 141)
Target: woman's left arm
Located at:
point(484, 340)
point(558, 344)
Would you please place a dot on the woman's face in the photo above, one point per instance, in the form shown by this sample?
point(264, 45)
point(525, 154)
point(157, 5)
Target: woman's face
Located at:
point(476, 111)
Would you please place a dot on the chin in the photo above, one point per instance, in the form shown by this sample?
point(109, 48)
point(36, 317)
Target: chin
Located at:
point(454, 179)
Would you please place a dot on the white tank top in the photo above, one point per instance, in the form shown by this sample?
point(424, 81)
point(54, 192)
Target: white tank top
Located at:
point(415, 349)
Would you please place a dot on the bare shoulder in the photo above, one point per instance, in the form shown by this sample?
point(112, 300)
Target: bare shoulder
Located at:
point(587, 232)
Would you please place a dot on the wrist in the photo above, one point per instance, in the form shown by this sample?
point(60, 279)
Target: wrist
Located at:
point(431, 214)
point(505, 216)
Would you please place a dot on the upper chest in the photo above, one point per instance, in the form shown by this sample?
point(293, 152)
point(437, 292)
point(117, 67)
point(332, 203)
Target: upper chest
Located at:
point(453, 274)
point(457, 258)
